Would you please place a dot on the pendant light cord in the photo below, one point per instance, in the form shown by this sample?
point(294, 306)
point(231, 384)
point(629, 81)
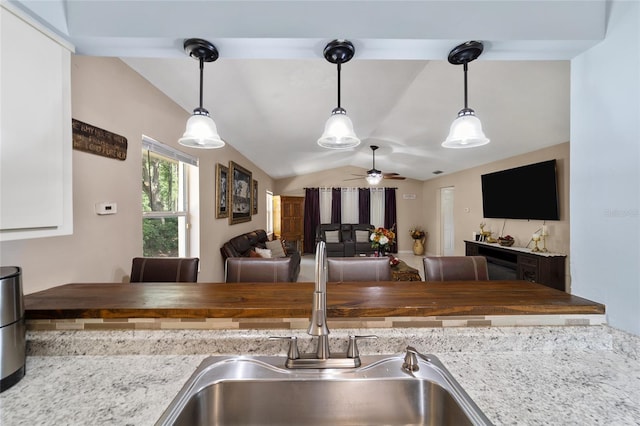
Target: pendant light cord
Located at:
point(465, 85)
point(339, 67)
point(201, 75)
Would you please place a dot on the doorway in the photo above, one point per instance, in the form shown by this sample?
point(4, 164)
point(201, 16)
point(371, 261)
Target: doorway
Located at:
point(447, 229)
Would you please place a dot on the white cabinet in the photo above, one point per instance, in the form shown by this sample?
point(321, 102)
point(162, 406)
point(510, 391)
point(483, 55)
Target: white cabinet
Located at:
point(35, 132)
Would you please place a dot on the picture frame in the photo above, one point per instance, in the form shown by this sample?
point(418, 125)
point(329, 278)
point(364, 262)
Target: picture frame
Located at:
point(222, 191)
point(254, 197)
point(240, 191)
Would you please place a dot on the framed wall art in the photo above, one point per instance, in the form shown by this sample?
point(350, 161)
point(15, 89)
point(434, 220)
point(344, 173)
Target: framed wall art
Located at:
point(240, 181)
point(254, 197)
point(222, 191)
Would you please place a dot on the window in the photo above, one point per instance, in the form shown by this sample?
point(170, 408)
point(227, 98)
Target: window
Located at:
point(269, 205)
point(165, 199)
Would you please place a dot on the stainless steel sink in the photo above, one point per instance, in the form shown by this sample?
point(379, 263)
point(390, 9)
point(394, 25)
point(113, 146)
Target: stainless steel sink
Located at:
point(243, 390)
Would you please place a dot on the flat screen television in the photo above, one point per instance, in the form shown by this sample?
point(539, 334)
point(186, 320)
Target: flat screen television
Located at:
point(526, 192)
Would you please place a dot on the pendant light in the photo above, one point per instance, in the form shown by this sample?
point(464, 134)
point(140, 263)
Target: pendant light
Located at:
point(338, 132)
point(374, 176)
point(466, 130)
point(201, 131)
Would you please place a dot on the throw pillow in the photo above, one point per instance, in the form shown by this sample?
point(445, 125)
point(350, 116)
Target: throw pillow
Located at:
point(252, 253)
point(263, 252)
point(362, 236)
point(331, 236)
point(276, 248)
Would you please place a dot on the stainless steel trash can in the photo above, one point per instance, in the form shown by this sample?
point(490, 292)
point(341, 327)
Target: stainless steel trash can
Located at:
point(12, 327)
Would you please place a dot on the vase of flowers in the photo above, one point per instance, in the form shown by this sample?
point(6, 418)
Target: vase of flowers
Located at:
point(418, 236)
point(381, 240)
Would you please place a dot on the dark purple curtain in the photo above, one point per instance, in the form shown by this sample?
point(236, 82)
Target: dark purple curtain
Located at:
point(390, 218)
point(336, 205)
point(311, 218)
point(364, 206)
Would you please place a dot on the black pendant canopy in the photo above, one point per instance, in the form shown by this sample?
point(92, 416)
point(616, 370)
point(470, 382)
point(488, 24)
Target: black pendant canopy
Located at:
point(339, 51)
point(198, 48)
point(465, 52)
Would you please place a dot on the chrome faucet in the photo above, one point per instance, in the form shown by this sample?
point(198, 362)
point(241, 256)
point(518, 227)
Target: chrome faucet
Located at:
point(322, 357)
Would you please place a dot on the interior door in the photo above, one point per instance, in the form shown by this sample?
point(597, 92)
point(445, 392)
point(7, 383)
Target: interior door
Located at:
point(292, 219)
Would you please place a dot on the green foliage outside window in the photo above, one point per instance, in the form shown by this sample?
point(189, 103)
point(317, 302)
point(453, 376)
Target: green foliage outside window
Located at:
point(160, 237)
point(160, 193)
point(159, 184)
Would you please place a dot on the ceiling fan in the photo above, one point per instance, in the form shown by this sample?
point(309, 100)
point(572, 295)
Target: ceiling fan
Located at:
point(374, 176)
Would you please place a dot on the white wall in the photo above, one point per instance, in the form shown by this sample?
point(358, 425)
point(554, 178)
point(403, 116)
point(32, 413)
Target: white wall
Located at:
point(605, 164)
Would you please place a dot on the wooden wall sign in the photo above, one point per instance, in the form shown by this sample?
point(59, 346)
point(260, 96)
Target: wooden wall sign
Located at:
point(97, 141)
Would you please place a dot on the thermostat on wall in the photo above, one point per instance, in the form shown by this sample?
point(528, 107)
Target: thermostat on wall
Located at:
point(106, 208)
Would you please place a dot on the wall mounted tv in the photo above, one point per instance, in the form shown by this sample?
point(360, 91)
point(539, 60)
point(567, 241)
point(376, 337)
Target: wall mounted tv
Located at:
point(526, 192)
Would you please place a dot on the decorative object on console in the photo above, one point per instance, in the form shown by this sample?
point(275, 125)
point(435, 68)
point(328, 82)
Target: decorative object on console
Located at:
point(485, 235)
point(338, 132)
point(535, 238)
point(382, 239)
point(506, 241)
point(544, 234)
point(466, 130)
point(201, 131)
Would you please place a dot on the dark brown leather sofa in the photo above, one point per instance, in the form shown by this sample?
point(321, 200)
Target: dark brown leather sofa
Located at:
point(240, 246)
point(353, 239)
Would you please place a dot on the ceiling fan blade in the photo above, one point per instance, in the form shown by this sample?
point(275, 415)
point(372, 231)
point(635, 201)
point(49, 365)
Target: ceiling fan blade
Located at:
point(390, 174)
point(395, 177)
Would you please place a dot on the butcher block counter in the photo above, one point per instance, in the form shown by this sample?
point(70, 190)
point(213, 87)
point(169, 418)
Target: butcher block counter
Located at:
point(420, 303)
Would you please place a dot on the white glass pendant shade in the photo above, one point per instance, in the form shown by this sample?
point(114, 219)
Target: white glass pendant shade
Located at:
point(338, 132)
point(201, 132)
point(465, 132)
point(374, 178)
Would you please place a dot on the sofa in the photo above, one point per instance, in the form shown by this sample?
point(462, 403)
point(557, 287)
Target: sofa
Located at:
point(245, 245)
point(344, 239)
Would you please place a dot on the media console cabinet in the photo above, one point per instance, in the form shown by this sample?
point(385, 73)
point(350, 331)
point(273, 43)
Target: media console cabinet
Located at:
point(521, 263)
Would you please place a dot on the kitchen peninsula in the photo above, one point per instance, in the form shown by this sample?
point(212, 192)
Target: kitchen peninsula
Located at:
point(103, 369)
point(256, 305)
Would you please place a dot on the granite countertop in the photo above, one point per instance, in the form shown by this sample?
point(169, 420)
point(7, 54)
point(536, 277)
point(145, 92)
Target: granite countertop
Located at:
point(516, 375)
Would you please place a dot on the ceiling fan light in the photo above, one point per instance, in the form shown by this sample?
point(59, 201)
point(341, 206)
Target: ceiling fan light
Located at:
point(338, 132)
point(201, 132)
point(374, 178)
point(465, 132)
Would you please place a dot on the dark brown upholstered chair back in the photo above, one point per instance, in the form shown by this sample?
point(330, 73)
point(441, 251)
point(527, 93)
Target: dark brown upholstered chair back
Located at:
point(455, 268)
point(249, 269)
point(164, 269)
point(358, 269)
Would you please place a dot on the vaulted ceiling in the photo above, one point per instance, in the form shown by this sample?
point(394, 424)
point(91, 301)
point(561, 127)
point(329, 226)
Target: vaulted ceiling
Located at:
point(271, 90)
